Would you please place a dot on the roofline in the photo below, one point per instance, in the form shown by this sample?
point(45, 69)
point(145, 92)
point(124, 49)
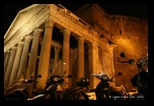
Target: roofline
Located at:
point(25, 9)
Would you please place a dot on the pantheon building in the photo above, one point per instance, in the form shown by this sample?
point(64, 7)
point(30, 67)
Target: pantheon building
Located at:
point(88, 40)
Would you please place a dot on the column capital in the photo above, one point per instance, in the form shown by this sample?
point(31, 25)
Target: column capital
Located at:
point(13, 48)
point(66, 32)
point(92, 45)
point(113, 45)
point(49, 23)
point(20, 44)
point(80, 39)
point(28, 38)
point(37, 31)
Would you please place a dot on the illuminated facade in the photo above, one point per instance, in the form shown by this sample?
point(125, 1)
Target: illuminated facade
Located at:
point(43, 34)
point(129, 34)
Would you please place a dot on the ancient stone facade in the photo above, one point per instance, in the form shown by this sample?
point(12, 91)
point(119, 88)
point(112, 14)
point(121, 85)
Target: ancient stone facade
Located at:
point(43, 34)
point(129, 34)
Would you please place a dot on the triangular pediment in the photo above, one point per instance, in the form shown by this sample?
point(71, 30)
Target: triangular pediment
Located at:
point(25, 21)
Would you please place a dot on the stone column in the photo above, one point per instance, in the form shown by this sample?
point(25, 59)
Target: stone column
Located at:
point(33, 57)
point(80, 57)
point(24, 56)
point(65, 50)
point(92, 63)
point(9, 67)
point(112, 46)
point(66, 46)
point(6, 60)
point(45, 54)
point(16, 62)
point(56, 55)
point(33, 53)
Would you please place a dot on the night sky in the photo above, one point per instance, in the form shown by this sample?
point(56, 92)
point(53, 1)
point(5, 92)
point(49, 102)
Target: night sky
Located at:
point(137, 10)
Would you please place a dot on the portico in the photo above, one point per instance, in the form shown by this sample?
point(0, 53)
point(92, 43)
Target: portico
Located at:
point(41, 43)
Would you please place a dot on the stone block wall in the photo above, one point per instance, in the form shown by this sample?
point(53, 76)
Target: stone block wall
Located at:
point(129, 34)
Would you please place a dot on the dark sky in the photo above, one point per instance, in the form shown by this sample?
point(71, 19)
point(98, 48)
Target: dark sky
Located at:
point(137, 10)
